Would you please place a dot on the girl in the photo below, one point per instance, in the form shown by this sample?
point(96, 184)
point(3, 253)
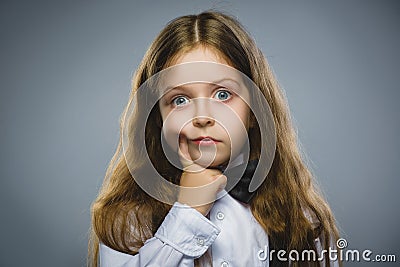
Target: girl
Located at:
point(285, 213)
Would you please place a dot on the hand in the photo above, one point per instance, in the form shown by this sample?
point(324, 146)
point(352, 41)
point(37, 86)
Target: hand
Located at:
point(199, 186)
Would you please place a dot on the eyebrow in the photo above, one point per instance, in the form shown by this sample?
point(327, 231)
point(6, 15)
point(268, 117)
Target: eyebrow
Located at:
point(181, 87)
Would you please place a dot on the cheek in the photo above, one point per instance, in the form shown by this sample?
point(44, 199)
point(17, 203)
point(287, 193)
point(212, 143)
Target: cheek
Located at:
point(243, 112)
point(237, 137)
point(235, 122)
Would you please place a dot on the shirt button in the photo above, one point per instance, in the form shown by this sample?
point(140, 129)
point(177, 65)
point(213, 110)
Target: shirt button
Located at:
point(224, 264)
point(200, 242)
point(220, 215)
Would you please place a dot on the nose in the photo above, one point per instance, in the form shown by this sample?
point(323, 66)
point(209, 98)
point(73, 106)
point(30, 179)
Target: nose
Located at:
point(202, 117)
point(202, 121)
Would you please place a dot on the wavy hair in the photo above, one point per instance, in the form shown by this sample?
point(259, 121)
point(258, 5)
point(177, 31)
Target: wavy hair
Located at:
point(287, 205)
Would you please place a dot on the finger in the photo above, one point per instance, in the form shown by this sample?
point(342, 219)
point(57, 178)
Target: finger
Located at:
point(183, 152)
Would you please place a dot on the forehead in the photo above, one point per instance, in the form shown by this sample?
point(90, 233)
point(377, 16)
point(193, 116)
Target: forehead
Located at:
point(198, 72)
point(199, 65)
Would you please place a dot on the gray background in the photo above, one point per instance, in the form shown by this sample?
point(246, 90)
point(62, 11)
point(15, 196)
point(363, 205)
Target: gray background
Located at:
point(65, 78)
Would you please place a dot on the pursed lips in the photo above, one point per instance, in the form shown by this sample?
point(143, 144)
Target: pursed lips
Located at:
point(205, 140)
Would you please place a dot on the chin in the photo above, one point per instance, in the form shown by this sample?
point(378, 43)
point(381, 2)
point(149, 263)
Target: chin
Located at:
point(205, 162)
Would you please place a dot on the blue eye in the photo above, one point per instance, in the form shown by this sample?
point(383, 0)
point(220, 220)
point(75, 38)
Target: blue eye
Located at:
point(223, 95)
point(180, 100)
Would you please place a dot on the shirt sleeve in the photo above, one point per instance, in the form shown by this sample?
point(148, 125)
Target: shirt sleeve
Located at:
point(185, 234)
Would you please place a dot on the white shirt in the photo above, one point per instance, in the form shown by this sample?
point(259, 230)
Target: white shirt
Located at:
point(232, 235)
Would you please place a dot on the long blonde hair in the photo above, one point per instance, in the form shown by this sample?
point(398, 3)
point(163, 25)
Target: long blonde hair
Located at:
point(287, 205)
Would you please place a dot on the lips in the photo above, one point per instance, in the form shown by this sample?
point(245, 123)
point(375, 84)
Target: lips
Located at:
point(205, 140)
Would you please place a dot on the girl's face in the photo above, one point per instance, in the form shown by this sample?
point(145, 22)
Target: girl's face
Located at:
point(194, 111)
